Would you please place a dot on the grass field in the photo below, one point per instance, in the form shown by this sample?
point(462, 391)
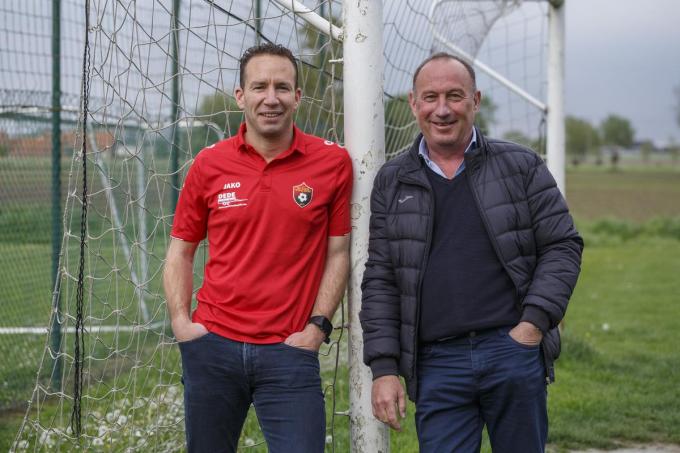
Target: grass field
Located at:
point(634, 194)
point(616, 380)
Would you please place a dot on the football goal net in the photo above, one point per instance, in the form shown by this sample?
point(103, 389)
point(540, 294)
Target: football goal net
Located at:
point(90, 361)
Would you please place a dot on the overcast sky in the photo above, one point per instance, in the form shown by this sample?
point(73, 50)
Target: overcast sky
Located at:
point(623, 57)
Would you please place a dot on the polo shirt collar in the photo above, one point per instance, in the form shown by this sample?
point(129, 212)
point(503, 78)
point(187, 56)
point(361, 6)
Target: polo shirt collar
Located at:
point(297, 145)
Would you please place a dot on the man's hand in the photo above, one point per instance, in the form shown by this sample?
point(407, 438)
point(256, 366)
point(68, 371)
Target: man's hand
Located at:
point(526, 333)
point(387, 396)
point(187, 330)
point(309, 338)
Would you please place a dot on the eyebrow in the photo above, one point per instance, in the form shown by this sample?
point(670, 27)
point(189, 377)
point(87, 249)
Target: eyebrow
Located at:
point(277, 83)
point(454, 90)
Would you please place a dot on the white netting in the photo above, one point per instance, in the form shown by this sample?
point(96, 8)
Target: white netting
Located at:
point(132, 395)
point(509, 36)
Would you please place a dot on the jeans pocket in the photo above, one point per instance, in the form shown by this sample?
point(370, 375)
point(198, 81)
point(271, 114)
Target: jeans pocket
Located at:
point(193, 340)
point(308, 352)
point(522, 345)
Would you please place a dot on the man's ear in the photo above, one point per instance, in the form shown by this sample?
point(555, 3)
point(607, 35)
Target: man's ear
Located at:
point(412, 102)
point(238, 95)
point(298, 96)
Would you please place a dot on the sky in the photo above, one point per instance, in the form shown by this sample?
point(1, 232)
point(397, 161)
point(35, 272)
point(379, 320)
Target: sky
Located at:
point(623, 57)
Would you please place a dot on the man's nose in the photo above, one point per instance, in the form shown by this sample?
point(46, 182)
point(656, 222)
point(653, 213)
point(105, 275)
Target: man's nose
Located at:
point(442, 107)
point(270, 96)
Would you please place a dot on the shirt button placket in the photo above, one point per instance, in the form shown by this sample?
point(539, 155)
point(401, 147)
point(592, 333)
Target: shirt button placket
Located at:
point(266, 180)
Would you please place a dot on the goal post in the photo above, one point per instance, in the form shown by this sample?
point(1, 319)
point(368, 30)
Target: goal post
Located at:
point(556, 136)
point(365, 140)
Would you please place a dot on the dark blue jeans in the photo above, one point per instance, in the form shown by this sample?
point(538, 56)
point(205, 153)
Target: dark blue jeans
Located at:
point(482, 378)
point(223, 377)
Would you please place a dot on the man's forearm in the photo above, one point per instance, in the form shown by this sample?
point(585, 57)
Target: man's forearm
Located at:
point(331, 290)
point(178, 280)
point(334, 279)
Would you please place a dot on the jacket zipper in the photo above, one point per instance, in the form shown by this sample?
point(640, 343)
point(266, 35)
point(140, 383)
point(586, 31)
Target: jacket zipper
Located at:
point(492, 238)
point(428, 242)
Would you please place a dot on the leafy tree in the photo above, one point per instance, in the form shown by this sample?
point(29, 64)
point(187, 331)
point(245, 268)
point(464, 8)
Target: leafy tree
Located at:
point(519, 137)
point(221, 109)
point(486, 116)
point(218, 109)
point(400, 125)
point(617, 133)
point(581, 139)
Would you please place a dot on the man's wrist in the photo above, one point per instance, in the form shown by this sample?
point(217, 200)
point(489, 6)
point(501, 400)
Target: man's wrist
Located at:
point(324, 326)
point(536, 317)
point(384, 366)
point(180, 322)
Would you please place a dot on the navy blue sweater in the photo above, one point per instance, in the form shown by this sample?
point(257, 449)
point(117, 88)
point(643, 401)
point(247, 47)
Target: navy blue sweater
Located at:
point(465, 287)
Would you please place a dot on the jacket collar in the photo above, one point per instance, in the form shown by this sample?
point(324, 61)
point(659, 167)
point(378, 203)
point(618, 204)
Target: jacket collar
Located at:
point(412, 168)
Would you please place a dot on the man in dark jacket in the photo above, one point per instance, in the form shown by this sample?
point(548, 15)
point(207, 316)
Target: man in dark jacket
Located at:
point(473, 257)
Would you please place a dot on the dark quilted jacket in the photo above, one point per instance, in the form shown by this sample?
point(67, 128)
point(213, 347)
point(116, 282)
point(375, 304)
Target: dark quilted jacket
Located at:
point(526, 218)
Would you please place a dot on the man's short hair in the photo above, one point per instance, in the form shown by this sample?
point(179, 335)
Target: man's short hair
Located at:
point(442, 55)
point(265, 49)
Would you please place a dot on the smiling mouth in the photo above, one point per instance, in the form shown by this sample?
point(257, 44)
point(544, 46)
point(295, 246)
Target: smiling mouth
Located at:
point(271, 114)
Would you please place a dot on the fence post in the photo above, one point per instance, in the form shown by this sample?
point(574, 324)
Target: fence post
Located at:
point(365, 141)
point(174, 149)
point(258, 22)
point(55, 331)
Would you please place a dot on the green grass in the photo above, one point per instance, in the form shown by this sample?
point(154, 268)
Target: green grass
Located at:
point(636, 195)
point(618, 377)
point(615, 384)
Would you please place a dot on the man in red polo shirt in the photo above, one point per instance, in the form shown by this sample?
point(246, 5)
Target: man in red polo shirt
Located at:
point(274, 205)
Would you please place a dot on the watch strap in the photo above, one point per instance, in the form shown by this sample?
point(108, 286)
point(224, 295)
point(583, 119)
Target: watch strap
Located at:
point(324, 324)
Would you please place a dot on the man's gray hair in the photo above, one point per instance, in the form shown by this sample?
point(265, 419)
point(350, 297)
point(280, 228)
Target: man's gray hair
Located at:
point(444, 55)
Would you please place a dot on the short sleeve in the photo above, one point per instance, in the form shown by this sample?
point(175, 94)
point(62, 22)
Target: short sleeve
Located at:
point(339, 224)
point(191, 216)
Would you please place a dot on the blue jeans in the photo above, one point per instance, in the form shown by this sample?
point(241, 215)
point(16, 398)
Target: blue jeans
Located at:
point(481, 378)
point(223, 377)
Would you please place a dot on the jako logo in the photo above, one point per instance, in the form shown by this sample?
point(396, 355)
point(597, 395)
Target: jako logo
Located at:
point(231, 185)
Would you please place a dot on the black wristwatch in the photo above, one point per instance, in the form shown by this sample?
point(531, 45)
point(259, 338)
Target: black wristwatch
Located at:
point(324, 324)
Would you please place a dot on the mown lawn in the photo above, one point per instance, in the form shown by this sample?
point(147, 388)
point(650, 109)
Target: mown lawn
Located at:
point(619, 373)
point(633, 194)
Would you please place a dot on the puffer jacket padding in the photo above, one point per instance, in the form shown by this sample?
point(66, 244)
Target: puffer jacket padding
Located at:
point(526, 218)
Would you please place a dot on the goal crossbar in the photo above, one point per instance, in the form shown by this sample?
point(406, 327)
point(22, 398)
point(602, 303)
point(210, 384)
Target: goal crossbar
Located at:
point(312, 18)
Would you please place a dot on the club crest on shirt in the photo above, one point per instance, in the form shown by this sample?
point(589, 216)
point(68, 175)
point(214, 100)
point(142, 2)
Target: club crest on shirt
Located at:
point(302, 194)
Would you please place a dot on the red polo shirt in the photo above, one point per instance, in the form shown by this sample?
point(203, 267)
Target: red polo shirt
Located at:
point(267, 227)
